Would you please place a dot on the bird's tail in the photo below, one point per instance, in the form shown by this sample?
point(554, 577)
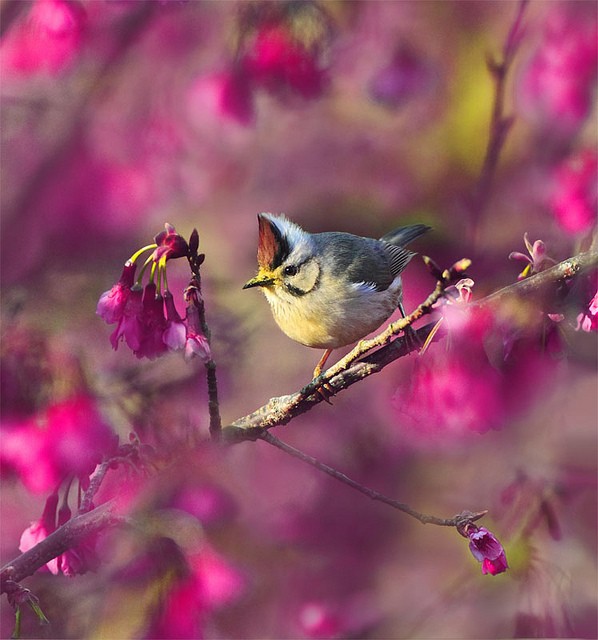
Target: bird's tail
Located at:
point(404, 235)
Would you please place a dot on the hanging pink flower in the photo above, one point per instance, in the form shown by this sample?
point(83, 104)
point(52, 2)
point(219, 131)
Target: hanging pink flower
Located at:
point(175, 333)
point(152, 323)
point(196, 343)
point(486, 549)
point(129, 326)
point(112, 303)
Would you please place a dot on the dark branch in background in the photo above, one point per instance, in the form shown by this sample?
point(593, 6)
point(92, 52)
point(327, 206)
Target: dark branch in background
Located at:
point(500, 124)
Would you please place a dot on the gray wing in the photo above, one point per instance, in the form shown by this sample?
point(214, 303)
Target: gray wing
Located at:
point(363, 261)
point(399, 257)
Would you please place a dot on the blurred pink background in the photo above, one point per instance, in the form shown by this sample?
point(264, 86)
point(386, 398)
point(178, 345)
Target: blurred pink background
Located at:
point(119, 116)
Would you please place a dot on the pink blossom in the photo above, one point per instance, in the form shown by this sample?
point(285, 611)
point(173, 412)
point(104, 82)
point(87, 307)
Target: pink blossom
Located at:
point(463, 294)
point(80, 437)
point(196, 343)
point(143, 323)
point(80, 559)
point(148, 321)
point(574, 196)
point(68, 439)
point(152, 324)
point(210, 504)
point(221, 583)
point(74, 561)
point(170, 245)
point(486, 549)
point(449, 398)
point(464, 287)
point(280, 63)
point(319, 621)
point(557, 86)
point(47, 39)
point(207, 582)
point(227, 95)
point(588, 320)
point(40, 530)
point(111, 304)
point(537, 260)
point(129, 325)
point(175, 333)
point(453, 390)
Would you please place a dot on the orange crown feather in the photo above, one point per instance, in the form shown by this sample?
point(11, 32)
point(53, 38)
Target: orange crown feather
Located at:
point(272, 247)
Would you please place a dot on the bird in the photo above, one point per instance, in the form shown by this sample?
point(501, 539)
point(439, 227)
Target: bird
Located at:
point(331, 289)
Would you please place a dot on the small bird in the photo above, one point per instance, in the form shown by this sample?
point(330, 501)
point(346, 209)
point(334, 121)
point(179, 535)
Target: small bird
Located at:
point(328, 290)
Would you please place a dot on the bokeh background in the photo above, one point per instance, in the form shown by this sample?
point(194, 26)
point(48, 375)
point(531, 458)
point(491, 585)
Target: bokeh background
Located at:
point(358, 116)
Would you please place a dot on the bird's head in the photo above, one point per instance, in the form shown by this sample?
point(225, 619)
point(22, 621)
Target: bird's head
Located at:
point(287, 264)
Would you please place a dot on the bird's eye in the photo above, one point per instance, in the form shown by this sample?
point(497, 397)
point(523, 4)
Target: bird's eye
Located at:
point(291, 270)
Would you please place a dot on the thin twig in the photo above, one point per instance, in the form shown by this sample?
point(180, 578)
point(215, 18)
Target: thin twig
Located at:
point(456, 521)
point(95, 483)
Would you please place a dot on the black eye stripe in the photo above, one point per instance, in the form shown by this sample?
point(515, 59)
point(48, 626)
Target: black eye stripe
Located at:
point(295, 290)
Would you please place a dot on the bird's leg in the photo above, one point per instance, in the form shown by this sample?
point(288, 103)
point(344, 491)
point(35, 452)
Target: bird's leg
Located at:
point(320, 365)
point(324, 390)
point(409, 332)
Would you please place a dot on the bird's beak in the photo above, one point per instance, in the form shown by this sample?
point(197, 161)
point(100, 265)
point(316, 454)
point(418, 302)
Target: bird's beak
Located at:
point(261, 280)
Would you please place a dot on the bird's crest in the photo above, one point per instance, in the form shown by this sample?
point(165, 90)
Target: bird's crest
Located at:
point(273, 246)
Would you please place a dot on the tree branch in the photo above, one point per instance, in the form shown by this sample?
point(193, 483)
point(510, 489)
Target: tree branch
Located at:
point(69, 535)
point(354, 367)
point(538, 284)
